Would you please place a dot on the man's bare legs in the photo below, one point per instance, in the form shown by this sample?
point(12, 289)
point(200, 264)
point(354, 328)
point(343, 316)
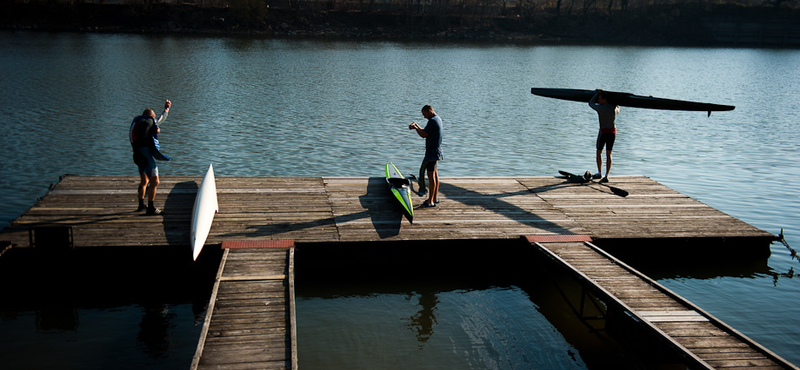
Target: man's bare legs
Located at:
point(433, 175)
point(148, 186)
point(600, 164)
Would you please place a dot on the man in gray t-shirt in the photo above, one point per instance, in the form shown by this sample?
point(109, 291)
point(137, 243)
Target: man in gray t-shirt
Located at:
point(433, 153)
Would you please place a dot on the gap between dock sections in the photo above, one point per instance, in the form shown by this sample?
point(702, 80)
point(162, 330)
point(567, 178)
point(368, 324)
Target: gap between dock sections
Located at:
point(251, 318)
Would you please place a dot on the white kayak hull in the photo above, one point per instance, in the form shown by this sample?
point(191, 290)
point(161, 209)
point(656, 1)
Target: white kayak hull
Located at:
point(205, 207)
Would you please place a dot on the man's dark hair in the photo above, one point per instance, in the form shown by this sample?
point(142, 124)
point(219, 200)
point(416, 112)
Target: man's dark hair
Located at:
point(608, 97)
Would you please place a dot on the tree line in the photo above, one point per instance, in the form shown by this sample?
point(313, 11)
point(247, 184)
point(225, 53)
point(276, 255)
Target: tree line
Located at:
point(665, 22)
point(488, 7)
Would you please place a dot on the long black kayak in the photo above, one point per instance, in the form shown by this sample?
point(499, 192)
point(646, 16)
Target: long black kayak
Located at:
point(630, 100)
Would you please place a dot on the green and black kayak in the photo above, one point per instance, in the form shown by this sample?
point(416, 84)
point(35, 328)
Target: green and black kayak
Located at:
point(630, 100)
point(400, 187)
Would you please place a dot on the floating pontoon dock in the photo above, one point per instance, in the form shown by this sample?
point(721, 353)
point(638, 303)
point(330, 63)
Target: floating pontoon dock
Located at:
point(245, 324)
point(99, 211)
point(704, 341)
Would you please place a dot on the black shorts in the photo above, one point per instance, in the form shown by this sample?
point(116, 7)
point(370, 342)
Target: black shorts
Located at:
point(431, 165)
point(607, 140)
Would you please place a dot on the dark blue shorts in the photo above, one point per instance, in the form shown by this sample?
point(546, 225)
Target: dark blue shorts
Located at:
point(150, 169)
point(607, 140)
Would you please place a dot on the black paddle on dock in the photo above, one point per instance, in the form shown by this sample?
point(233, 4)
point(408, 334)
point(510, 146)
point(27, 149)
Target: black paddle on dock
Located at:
point(413, 177)
point(587, 179)
point(614, 189)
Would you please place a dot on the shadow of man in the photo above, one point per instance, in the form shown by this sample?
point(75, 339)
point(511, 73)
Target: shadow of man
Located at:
point(496, 204)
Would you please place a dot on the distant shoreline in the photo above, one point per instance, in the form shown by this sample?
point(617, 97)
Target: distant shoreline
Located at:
point(667, 25)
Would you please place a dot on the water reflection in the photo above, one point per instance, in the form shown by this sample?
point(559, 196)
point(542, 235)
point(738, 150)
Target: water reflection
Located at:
point(787, 275)
point(423, 322)
point(91, 308)
point(436, 305)
point(154, 329)
point(462, 304)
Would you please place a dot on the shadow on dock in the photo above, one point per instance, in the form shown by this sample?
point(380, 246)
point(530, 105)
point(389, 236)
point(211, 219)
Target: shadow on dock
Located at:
point(267, 230)
point(176, 228)
point(388, 224)
point(494, 203)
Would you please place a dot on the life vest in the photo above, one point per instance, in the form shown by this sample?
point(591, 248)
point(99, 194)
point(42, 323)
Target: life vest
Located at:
point(142, 134)
point(140, 131)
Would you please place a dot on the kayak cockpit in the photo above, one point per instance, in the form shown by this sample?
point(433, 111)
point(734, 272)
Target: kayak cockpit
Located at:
point(398, 181)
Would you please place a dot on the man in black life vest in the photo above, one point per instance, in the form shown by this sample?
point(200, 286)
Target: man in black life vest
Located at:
point(144, 141)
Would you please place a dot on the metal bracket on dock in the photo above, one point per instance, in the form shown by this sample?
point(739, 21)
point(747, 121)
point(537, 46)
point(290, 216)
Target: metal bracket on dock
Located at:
point(51, 238)
point(581, 311)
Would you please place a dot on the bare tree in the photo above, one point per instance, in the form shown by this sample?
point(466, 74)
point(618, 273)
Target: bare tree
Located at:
point(586, 5)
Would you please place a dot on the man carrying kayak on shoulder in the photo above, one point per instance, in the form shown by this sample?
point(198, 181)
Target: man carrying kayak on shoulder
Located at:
point(143, 136)
point(607, 114)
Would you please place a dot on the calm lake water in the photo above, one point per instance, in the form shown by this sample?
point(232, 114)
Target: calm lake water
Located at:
point(341, 108)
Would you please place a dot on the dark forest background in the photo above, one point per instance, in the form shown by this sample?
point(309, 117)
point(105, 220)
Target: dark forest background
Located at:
point(772, 23)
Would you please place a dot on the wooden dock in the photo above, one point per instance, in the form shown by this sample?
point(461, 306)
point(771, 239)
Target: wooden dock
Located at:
point(100, 211)
point(251, 318)
point(703, 341)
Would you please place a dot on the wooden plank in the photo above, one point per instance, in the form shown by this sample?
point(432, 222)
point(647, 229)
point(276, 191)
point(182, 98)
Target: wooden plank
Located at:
point(252, 309)
point(609, 298)
point(254, 277)
point(207, 321)
point(665, 313)
point(681, 329)
point(672, 316)
point(292, 313)
point(101, 211)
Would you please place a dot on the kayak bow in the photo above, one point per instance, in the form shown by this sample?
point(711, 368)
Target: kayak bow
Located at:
point(401, 190)
point(205, 207)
